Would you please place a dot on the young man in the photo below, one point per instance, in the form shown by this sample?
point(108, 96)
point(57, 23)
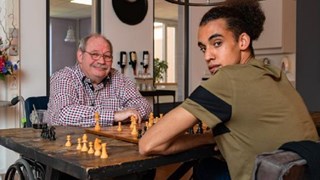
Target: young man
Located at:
point(92, 85)
point(250, 107)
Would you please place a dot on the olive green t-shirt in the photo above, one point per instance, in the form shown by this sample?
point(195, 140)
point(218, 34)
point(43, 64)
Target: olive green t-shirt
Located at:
point(252, 108)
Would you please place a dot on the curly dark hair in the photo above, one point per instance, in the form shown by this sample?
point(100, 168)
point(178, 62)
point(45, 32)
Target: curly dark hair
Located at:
point(241, 16)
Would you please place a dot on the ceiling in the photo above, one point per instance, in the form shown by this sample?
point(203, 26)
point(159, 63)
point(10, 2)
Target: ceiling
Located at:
point(65, 9)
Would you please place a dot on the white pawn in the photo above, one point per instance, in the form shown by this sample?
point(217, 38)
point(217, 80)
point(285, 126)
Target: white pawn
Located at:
point(68, 143)
point(119, 127)
point(79, 144)
point(84, 141)
point(90, 151)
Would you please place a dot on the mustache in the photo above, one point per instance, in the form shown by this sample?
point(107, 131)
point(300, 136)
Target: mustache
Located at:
point(101, 66)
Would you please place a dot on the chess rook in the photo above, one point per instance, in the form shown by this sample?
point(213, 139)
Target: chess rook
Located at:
point(104, 154)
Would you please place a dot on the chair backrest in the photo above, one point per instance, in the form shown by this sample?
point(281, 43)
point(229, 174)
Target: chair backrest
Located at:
point(40, 102)
point(279, 164)
point(295, 160)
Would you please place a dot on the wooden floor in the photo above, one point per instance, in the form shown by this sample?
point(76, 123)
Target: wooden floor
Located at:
point(165, 171)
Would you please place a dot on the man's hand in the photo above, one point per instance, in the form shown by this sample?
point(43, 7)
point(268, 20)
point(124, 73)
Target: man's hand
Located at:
point(126, 114)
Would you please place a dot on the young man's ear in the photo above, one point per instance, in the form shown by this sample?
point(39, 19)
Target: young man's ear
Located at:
point(244, 41)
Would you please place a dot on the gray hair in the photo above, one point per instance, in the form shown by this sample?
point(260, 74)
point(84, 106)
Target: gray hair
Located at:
point(83, 42)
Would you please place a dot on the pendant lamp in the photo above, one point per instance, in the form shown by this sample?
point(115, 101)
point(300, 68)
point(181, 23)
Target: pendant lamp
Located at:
point(70, 35)
point(197, 2)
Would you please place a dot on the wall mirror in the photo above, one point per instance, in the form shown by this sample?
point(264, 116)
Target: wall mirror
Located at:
point(67, 23)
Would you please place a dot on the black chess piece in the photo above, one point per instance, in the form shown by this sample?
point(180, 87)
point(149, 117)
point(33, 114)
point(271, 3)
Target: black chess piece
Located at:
point(52, 133)
point(139, 133)
point(190, 131)
point(200, 129)
point(44, 133)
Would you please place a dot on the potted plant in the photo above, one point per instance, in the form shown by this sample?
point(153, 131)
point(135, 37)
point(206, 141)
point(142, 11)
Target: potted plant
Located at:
point(160, 67)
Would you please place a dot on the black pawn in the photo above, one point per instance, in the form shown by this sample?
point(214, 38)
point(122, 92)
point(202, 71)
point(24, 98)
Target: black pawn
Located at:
point(200, 129)
point(139, 133)
point(191, 130)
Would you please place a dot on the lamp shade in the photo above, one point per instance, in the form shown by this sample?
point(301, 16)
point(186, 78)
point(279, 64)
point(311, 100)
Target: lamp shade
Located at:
point(197, 2)
point(70, 35)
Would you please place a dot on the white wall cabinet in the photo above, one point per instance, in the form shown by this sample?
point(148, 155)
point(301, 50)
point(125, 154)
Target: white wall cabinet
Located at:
point(279, 34)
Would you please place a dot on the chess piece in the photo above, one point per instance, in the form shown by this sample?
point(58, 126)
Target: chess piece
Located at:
point(97, 144)
point(151, 116)
point(161, 116)
point(200, 129)
point(119, 127)
point(79, 144)
point(90, 151)
point(52, 133)
point(97, 152)
point(104, 153)
point(68, 143)
point(97, 119)
point(191, 130)
point(146, 126)
point(84, 141)
point(156, 120)
point(133, 121)
point(134, 131)
point(97, 147)
point(139, 133)
point(151, 120)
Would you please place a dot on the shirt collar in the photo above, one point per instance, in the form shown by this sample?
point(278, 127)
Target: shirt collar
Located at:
point(84, 79)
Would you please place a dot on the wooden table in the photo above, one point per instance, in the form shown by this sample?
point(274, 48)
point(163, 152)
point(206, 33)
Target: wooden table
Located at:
point(124, 157)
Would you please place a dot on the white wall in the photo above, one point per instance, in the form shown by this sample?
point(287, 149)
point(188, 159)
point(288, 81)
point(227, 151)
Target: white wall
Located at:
point(33, 47)
point(128, 38)
point(197, 64)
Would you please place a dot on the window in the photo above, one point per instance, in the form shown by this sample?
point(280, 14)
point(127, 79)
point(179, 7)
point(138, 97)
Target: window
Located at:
point(165, 47)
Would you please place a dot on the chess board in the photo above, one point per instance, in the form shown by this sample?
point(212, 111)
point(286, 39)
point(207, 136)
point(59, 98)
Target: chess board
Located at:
point(112, 132)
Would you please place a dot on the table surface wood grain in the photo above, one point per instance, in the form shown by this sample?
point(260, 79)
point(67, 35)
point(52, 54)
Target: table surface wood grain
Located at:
point(124, 157)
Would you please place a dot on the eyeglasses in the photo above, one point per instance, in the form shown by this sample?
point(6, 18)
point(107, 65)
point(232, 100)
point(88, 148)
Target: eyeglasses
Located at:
point(96, 56)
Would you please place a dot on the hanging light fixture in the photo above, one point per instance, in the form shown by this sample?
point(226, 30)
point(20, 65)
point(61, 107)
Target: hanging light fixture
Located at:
point(85, 2)
point(197, 2)
point(70, 35)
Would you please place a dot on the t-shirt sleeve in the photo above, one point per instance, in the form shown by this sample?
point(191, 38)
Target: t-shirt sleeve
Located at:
point(211, 101)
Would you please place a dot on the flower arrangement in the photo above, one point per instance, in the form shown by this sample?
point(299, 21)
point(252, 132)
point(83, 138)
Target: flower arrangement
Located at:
point(6, 66)
point(8, 39)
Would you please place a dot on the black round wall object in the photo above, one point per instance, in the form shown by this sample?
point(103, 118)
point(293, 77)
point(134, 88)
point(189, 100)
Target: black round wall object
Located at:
point(131, 12)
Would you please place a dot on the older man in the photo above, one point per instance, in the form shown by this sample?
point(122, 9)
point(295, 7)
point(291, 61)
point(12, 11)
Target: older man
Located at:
point(92, 85)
